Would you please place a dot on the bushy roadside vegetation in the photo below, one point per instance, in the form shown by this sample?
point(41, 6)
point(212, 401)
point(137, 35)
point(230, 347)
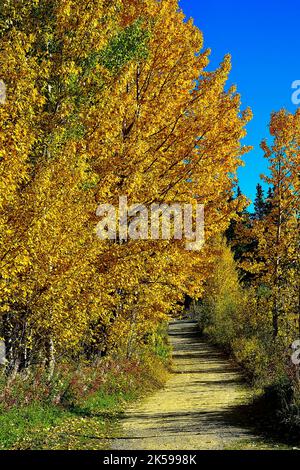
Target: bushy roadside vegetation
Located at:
point(239, 319)
point(251, 305)
point(81, 399)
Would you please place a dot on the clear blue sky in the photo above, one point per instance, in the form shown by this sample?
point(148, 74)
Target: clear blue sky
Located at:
point(263, 38)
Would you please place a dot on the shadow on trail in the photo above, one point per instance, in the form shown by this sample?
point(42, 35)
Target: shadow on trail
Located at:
point(257, 417)
point(260, 419)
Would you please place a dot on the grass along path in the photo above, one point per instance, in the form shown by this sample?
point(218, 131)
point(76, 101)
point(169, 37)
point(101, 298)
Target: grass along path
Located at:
point(86, 423)
point(83, 428)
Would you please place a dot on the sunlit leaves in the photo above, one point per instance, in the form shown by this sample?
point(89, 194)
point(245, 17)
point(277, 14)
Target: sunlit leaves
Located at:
point(105, 100)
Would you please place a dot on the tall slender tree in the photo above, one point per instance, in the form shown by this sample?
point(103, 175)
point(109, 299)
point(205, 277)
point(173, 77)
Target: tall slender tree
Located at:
point(259, 202)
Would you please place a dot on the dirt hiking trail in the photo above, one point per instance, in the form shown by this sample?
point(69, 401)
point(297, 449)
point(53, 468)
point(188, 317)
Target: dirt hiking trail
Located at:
point(199, 407)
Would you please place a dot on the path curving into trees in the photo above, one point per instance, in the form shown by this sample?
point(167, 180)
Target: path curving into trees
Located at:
point(201, 406)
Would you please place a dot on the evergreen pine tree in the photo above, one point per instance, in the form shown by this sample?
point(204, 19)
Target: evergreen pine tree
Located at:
point(259, 203)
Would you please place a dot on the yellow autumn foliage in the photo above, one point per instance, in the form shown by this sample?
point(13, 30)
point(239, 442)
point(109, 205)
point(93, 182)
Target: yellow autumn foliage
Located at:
point(105, 100)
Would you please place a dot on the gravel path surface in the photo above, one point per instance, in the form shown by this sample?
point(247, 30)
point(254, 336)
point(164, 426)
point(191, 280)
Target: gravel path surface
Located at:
point(199, 406)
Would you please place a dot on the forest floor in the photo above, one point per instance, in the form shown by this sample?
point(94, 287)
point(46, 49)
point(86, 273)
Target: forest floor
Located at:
point(206, 404)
